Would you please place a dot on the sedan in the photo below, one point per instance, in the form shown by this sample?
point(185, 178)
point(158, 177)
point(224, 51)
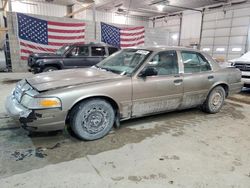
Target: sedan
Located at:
point(131, 83)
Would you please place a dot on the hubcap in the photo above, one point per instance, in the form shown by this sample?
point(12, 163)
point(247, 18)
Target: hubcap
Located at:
point(94, 120)
point(217, 100)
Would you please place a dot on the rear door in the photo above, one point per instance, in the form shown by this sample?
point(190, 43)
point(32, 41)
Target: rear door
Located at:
point(78, 56)
point(198, 78)
point(112, 50)
point(98, 54)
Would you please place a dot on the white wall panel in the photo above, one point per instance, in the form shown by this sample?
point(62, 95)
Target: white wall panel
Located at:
point(191, 25)
point(208, 33)
point(223, 23)
point(39, 8)
point(208, 41)
point(221, 41)
point(110, 17)
point(242, 21)
point(236, 31)
point(241, 12)
point(209, 25)
point(238, 40)
point(232, 25)
point(222, 32)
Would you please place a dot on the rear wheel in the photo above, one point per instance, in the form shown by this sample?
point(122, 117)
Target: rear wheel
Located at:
point(215, 100)
point(92, 119)
point(49, 69)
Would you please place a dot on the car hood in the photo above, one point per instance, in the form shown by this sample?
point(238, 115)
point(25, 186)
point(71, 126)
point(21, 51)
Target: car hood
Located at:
point(45, 55)
point(243, 59)
point(65, 78)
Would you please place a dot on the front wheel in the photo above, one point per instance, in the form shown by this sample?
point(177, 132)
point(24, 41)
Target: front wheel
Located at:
point(92, 119)
point(215, 100)
point(49, 69)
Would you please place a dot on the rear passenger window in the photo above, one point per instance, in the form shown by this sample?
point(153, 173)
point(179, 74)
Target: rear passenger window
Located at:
point(112, 50)
point(194, 62)
point(98, 51)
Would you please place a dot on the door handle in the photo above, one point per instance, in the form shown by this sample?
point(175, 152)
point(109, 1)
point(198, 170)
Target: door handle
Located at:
point(210, 77)
point(178, 81)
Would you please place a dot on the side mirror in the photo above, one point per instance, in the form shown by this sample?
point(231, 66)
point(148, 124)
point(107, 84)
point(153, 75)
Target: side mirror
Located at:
point(148, 71)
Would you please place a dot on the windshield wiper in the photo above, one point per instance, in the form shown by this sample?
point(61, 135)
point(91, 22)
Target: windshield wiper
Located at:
point(106, 68)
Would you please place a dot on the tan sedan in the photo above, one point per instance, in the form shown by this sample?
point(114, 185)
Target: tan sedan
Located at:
point(130, 83)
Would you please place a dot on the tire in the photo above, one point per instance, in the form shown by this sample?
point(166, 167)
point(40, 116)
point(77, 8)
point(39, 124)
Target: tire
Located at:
point(92, 119)
point(214, 101)
point(49, 69)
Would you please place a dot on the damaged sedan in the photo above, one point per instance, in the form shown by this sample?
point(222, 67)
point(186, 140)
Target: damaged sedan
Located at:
point(130, 83)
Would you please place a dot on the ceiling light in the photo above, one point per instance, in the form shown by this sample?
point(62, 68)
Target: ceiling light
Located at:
point(206, 49)
point(236, 49)
point(160, 7)
point(174, 36)
point(220, 49)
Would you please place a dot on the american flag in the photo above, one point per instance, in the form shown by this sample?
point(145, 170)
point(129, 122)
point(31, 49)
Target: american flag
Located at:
point(122, 37)
point(44, 36)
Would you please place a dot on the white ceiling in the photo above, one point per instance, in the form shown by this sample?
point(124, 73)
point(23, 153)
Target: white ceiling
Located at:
point(138, 7)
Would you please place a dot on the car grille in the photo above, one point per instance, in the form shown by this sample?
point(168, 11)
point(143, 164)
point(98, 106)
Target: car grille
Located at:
point(246, 77)
point(242, 66)
point(31, 61)
point(20, 89)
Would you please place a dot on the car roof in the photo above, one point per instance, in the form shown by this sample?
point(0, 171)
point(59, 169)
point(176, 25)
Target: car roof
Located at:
point(162, 48)
point(93, 44)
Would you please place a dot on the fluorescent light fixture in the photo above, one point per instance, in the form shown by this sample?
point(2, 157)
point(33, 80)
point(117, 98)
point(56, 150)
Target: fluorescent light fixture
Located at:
point(175, 36)
point(236, 49)
point(220, 49)
point(155, 43)
point(206, 49)
point(160, 7)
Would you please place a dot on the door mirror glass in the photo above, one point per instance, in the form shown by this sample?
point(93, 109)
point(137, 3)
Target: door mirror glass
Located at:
point(148, 71)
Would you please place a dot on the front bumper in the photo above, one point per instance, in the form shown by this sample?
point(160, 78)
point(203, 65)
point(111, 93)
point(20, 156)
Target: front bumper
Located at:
point(35, 120)
point(35, 70)
point(246, 78)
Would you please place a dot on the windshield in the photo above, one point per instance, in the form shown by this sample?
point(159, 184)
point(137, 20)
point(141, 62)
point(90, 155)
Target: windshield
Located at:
point(62, 50)
point(124, 61)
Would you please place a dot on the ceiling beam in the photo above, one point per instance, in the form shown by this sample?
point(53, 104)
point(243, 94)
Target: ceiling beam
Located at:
point(79, 10)
point(4, 5)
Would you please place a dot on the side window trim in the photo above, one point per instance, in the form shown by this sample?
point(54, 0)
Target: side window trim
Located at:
point(85, 47)
point(177, 63)
point(97, 47)
point(197, 54)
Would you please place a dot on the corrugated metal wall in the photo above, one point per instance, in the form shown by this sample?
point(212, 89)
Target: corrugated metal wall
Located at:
point(109, 17)
point(225, 32)
point(153, 36)
point(39, 8)
point(169, 27)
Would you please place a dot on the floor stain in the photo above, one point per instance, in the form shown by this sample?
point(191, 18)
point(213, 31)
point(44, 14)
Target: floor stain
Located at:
point(15, 144)
point(149, 177)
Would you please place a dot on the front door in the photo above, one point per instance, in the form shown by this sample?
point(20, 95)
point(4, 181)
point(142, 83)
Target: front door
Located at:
point(198, 78)
point(78, 56)
point(161, 92)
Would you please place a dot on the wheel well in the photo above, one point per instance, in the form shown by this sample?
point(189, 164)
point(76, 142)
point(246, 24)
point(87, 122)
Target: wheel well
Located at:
point(225, 87)
point(53, 65)
point(108, 99)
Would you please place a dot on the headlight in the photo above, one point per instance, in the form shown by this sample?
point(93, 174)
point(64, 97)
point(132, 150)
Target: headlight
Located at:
point(40, 103)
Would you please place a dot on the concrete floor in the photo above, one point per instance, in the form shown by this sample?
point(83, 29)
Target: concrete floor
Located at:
point(179, 149)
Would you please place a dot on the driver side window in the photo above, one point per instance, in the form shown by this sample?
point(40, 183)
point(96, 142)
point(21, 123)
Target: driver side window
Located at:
point(79, 51)
point(165, 63)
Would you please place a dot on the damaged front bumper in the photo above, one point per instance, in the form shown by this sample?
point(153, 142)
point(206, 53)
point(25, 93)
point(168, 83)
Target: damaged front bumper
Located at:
point(35, 120)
